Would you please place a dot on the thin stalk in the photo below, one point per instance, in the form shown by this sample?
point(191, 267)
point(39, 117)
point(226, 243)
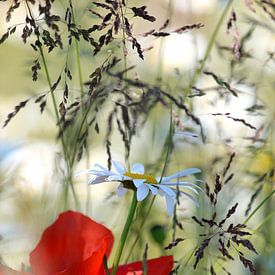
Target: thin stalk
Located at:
point(188, 259)
point(140, 230)
point(210, 45)
point(62, 138)
point(82, 123)
point(124, 53)
point(79, 132)
point(50, 86)
point(162, 42)
point(169, 146)
point(265, 221)
point(77, 52)
point(124, 41)
point(57, 117)
point(259, 206)
point(80, 78)
point(46, 70)
point(124, 234)
point(79, 67)
point(55, 110)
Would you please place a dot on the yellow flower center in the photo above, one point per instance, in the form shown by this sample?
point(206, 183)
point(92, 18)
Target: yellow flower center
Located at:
point(148, 178)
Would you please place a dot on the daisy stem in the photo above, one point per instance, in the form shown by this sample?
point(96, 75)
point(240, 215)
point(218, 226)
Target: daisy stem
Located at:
point(124, 234)
point(169, 145)
point(140, 230)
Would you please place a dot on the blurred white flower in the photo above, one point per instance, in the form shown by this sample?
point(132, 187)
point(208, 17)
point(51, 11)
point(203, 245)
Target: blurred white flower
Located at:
point(144, 183)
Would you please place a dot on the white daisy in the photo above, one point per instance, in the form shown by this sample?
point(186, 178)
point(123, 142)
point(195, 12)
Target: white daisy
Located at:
point(102, 174)
point(144, 183)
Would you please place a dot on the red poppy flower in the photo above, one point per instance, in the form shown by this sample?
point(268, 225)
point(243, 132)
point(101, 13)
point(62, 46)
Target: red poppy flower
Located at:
point(75, 245)
point(159, 266)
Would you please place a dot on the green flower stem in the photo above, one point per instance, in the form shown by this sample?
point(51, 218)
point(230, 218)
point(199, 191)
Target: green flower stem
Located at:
point(259, 206)
point(125, 233)
point(168, 148)
point(140, 230)
point(209, 47)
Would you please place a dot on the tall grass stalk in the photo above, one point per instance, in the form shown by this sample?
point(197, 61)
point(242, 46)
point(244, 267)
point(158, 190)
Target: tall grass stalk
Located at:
point(210, 45)
point(69, 181)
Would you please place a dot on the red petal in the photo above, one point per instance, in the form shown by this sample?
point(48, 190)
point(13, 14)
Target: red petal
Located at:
point(74, 244)
point(158, 266)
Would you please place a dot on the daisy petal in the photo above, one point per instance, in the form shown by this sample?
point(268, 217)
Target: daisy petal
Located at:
point(97, 173)
point(142, 192)
point(170, 204)
point(161, 193)
point(183, 184)
point(190, 188)
point(97, 179)
point(119, 167)
point(115, 178)
point(138, 168)
point(167, 190)
point(190, 197)
point(182, 173)
point(138, 182)
point(153, 189)
point(186, 134)
point(121, 191)
point(82, 173)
